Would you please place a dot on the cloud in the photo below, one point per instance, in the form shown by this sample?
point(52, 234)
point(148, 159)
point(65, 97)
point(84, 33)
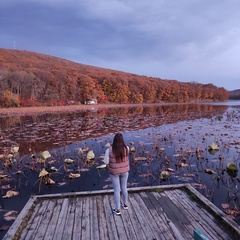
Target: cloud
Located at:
point(178, 39)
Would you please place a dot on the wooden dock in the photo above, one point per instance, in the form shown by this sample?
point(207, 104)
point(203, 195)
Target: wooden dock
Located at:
point(162, 212)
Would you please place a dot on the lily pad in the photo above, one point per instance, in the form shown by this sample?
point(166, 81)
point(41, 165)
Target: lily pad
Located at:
point(68, 160)
point(232, 167)
point(74, 175)
point(132, 149)
point(232, 170)
point(10, 193)
point(209, 171)
point(164, 175)
point(14, 149)
point(107, 145)
point(101, 166)
point(213, 146)
point(90, 155)
point(45, 154)
point(43, 173)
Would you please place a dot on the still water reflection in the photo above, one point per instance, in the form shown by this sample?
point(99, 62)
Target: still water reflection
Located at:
point(173, 138)
point(41, 132)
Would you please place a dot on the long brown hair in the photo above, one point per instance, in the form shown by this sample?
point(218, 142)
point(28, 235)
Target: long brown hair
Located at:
point(119, 147)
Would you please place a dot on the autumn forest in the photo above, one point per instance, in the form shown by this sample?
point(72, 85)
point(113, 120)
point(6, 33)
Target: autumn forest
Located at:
point(34, 79)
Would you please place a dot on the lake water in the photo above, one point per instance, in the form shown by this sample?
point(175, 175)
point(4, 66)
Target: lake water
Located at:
point(172, 137)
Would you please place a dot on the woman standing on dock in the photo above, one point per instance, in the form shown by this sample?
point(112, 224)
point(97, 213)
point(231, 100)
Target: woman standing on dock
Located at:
point(116, 157)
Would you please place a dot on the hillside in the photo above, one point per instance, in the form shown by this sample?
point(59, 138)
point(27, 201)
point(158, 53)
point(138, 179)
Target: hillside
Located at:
point(31, 79)
point(235, 94)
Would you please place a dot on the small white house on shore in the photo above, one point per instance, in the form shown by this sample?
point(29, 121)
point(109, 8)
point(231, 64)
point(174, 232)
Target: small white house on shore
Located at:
point(91, 101)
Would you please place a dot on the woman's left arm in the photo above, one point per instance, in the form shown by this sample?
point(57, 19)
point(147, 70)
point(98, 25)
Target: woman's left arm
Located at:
point(106, 157)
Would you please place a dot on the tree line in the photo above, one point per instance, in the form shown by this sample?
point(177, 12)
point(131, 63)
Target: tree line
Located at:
point(32, 79)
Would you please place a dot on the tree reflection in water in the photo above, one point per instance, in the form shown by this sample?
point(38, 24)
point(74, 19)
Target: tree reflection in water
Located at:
point(170, 146)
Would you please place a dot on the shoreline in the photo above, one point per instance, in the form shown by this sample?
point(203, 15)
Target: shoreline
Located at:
point(69, 108)
point(22, 111)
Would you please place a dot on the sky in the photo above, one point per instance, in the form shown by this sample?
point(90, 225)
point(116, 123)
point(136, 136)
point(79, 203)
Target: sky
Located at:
point(184, 40)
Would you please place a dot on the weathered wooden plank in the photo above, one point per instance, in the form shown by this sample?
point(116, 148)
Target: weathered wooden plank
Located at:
point(200, 220)
point(54, 220)
point(20, 219)
point(61, 219)
point(177, 200)
point(75, 194)
point(131, 220)
point(111, 227)
point(127, 222)
point(46, 218)
point(157, 214)
point(109, 191)
point(154, 188)
point(143, 217)
point(235, 229)
point(194, 223)
point(148, 214)
point(203, 219)
point(86, 225)
point(35, 220)
point(163, 218)
point(30, 226)
point(177, 235)
point(102, 221)
point(206, 223)
point(174, 215)
point(77, 226)
point(94, 218)
point(68, 228)
point(173, 231)
point(117, 220)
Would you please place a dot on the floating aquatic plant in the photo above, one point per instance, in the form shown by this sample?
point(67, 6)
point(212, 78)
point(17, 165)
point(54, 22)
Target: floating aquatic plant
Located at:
point(102, 166)
point(232, 169)
point(10, 215)
point(14, 149)
point(90, 155)
point(213, 146)
point(43, 173)
point(164, 175)
point(68, 161)
point(74, 175)
point(209, 171)
point(45, 155)
point(10, 193)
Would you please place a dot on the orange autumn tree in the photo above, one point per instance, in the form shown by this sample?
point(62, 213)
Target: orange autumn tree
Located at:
point(45, 80)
